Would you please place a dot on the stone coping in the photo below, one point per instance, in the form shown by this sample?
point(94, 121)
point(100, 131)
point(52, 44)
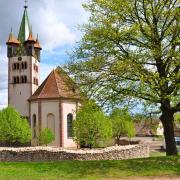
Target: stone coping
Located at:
point(78, 151)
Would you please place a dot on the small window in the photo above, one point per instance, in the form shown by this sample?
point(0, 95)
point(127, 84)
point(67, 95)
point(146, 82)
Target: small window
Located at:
point(35, 68)
point(22, 79)
point(29, 50)
point(34, 126)
point(14, 66)
point(10, 52)
point(14, 80)
point(25, 65)
point(69, 125)
point(22, 65)
point(17, 79)
point(17, 64)
point(25, 79)
point(36, 81)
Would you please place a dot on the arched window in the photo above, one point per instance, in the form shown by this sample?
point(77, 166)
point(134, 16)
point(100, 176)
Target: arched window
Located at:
point(17, 79)
point(25, 65)
point(17, 65)
point(10, 52)
point(51, 122)
point(14, 66)
point(34, 126)
point(14, 80)
point(22, 79)
point(69, 125)
point(25, 79)
point(22, 65)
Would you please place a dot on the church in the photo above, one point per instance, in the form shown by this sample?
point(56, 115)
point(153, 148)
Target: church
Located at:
point(52, 104)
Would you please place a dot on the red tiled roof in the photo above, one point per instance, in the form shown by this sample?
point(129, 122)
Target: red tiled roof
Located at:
point(57, 85)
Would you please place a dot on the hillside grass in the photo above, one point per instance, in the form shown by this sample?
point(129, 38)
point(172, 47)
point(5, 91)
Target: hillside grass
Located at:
point(65, 170)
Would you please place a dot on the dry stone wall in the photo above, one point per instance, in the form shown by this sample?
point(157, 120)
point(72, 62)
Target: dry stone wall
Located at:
point(40, 154)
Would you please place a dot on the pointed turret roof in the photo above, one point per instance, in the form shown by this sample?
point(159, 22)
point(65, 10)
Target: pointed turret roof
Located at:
point(30, 37)
point(57, 85)
point(37, 44)
point(12, 39)
point(25, 27)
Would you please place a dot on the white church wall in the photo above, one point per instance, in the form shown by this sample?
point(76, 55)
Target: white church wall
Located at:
point(19, 93)
point(19, 98)
point(68, 107)
point(35, 74)
point(51, 107)
point(34, 111)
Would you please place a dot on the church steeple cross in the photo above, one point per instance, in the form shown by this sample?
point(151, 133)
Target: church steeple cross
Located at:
point(26, 1)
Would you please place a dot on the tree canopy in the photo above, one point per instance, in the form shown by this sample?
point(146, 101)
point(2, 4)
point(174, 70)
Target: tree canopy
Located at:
point(122, 124)
point(91, 126)
point(130, 50)
point(13, 128)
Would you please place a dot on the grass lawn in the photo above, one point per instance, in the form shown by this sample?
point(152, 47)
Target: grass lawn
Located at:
point(154, 166)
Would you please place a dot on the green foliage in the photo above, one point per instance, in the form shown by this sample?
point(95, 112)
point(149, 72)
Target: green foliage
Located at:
point(130, 51)
point(122, 123)
point(13, 128)
point(91, 126)
point(177, 118)
point(46, 136)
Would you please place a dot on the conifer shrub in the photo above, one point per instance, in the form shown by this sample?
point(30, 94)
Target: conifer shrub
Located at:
point(46, 136)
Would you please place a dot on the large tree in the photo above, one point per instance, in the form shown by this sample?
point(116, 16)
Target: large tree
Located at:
point(130, 49)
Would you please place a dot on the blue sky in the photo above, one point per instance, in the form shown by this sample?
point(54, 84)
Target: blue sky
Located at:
point(55, 21)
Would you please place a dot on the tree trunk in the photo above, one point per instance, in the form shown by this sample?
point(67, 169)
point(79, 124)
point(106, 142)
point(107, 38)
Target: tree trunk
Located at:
point(167, 121)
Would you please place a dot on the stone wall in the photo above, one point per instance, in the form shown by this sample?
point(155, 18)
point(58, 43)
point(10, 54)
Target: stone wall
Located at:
point(40, 154)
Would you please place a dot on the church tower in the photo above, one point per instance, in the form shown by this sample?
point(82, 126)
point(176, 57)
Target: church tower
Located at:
point(23, 66)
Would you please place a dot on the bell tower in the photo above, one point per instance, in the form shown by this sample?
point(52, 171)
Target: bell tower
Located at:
point(23, 66)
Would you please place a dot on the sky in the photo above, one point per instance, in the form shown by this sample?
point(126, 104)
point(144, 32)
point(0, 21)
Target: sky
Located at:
point(56, 23)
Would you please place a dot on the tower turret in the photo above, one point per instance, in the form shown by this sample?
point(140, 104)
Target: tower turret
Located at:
point(29, 44)
point(12, 44)
point(37, 47)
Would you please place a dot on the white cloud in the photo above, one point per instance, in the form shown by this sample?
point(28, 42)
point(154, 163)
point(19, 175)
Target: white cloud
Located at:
point(45, 70)
point(55, 21)
point(53, 32)
point(3, 79)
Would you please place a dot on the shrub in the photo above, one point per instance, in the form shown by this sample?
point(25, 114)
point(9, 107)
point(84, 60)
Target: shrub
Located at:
point(122, 124)
point(46, 136)
point(13, 128)
point(91, 126)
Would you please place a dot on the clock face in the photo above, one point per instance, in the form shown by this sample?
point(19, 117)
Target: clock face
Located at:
point(19, 58)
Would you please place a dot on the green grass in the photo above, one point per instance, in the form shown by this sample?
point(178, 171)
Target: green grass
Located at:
point(154, 166)
point(157, 154)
